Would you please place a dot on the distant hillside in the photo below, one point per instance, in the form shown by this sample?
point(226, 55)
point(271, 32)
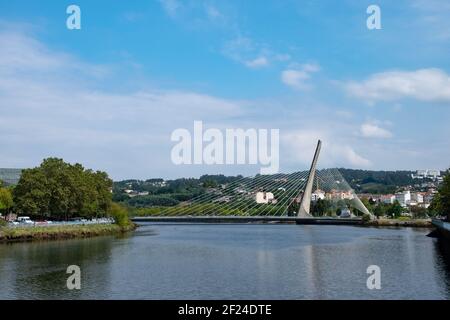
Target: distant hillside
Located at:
point(366, 181)
point(159, 192)
point(10, 176)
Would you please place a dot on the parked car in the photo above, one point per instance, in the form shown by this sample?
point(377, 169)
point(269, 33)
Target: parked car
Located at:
point(25, 220)
point(345, 213)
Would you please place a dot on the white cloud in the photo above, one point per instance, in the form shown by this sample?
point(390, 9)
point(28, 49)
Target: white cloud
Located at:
point(48, 110)
point(22, 54)
point(353, 158)
point(430, 85)
point(344, 114)
point(244, 50)
point(282, 57)
point(433, 18)
point(257, 63)
point(297, 77)
point(171, 6)
point(335, 151)
point(212, 12)
point(372, 130)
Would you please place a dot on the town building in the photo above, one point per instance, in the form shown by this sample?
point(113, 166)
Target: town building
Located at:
point(417, 197)
point(263, 197)
point(388, 198)
point(404, 198)
point(423, 174)
point(318, 194)
point(339, 195)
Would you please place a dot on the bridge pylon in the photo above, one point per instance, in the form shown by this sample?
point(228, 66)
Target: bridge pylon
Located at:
point(305, 204)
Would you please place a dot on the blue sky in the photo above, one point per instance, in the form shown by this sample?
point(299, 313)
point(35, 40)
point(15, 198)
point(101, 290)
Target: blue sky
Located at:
point(109, 95)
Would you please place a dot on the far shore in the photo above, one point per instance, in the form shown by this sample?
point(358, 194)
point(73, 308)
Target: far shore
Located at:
point(36, 233)
point(416, 223)
point(382, 222)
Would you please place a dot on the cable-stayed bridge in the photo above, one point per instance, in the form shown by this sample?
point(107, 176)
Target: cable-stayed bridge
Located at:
point(313, 196)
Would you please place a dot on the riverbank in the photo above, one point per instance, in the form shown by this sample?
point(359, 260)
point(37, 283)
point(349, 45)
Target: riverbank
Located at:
point(416, 223)
point(16, 234)
point(402, 222)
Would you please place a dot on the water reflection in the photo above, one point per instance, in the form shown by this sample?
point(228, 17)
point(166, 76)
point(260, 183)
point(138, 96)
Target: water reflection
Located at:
point(232, 262)
point(442, 258)
point(38, 269)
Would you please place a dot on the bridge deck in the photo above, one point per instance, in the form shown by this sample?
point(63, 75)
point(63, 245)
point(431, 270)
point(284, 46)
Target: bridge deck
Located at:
point(249, 219)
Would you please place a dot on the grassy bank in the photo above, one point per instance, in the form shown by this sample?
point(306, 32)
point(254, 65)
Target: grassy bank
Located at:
point(8, 234)
point(417, 223)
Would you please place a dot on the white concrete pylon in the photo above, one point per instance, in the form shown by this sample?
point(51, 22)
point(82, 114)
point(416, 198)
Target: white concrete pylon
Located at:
point(304, 210)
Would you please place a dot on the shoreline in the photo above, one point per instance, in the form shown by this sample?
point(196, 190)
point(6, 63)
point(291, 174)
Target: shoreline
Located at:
point(27, 234)
point(24, 234)
point(414, 223)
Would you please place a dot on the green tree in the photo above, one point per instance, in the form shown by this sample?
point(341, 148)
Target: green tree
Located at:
point(120, 214)
point(321, 207)
point(418, 212)
point(440, 204)
point(368, 204)
point(379, 210)
point(31, 195)
point(6, 200)
point(209, 183)
point(395, 210)
point(59, 190)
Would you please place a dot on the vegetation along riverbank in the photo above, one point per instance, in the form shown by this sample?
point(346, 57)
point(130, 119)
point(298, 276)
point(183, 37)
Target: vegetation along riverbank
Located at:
point(58, 200)
point(416, 223)
point(14, 234)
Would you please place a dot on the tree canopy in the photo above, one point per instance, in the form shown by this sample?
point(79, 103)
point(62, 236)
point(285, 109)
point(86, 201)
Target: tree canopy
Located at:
point(6, 199)
point(60, 190)
point(441, 201)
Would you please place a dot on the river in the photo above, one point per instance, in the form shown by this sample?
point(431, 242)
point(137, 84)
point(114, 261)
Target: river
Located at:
point(231, 261)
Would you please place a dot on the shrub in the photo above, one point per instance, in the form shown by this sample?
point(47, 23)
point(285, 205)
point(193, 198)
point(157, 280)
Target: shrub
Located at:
point(120, 215)
point(366, 217)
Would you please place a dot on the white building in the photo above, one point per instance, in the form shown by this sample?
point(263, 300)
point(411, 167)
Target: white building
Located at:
point(404, 198)
point(417, 197)
point(429, 196)
point(432, 174)
point(265, 197)
point(339, 195)
point(388, 199)
point(318, 194)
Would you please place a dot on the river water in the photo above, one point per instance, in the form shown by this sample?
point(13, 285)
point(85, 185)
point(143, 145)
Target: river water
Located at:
point(231, 261)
